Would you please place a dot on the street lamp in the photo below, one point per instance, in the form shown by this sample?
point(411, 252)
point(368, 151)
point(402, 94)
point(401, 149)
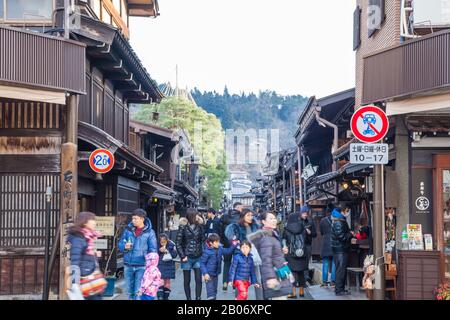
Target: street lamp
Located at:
point(48, 200)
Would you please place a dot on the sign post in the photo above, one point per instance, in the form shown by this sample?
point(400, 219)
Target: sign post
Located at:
point(369, 125)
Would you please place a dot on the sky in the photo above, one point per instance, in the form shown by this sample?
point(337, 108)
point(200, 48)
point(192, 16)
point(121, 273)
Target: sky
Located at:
point(290, 46)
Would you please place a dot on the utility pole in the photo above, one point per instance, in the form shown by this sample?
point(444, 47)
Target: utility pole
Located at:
point(378, 239)
point(176, 82)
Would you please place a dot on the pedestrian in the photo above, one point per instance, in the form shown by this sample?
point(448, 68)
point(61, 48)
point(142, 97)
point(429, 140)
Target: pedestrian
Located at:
point(340, 242)
point(245, 225)
point(242, 271)
point(238, 232)
point(225, 221)
point(213, 223)
point(297, 237)
point(326, 251)
point(211, 263)
point(83, 257)
point(166, 265)
point(138, 240)
point(275, 274)
point(152, 278)
point(189, 243)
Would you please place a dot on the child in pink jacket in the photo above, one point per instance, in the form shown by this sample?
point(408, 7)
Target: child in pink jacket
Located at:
point(151, 280)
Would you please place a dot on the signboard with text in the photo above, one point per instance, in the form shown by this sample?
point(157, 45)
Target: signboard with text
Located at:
point(105, 225)
point(363, 153)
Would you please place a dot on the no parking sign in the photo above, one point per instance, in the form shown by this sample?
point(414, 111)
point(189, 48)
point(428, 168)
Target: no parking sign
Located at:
point(101, 161)
point(369, 124)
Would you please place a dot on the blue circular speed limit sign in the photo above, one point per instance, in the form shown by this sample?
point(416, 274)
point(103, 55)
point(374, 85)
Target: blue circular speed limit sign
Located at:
point(101, 161)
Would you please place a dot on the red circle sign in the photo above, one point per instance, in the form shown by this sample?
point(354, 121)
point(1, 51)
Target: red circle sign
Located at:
point(369, 124)
point(101, 161)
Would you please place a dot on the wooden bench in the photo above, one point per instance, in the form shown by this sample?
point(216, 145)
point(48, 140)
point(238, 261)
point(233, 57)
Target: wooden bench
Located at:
point(356, 272)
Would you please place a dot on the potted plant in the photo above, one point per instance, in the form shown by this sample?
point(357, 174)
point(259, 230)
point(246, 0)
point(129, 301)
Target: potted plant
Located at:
point(442, 292)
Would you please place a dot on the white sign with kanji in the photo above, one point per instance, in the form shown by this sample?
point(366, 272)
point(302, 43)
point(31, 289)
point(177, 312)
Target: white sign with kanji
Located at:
point(363, 153)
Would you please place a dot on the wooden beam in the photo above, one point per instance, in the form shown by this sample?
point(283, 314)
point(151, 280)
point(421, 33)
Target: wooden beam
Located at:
point(69, 194)
point(109, 6)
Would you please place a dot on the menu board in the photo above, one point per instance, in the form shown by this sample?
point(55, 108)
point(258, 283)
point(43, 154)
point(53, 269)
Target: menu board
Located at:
point(415, 237)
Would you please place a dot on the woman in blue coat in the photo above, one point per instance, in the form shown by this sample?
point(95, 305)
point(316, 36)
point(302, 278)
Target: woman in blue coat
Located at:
point(167, 252)
point(83, 256)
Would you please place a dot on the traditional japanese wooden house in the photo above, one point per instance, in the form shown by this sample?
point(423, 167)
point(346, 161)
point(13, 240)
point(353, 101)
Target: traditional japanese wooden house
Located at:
point(60, 99)
point(176, 188)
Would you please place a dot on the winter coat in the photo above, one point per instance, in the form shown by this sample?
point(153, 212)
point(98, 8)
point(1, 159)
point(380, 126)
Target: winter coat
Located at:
point(242, 268)
point(340, 233)
point(225, 221)
point(167, 268)
point(325, 231)
point(235, 231)
point(79, 257)
point(189, 241)
point(296, 227)
point(212, 226)
point(211, 260)
point(268, 244)
point(142, 245)
point(151, 280)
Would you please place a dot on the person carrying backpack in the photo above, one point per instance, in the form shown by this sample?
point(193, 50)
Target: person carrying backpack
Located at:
point(297, 247)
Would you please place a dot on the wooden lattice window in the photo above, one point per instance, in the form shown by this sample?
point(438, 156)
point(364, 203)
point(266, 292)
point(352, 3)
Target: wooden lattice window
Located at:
point(22, 209)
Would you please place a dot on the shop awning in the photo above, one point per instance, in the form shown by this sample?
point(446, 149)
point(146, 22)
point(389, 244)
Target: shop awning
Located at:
point(45, 96)
point(420, 104)
point(158, 190)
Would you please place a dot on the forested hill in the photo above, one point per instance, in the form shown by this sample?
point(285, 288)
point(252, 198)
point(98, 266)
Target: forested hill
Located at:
point(267, 110)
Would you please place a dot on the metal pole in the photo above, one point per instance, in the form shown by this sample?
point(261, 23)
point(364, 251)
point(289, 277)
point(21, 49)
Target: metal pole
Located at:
point(378, 239)
point(48, 199)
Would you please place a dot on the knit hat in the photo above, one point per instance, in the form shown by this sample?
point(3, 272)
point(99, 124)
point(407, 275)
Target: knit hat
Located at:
point(304, 208)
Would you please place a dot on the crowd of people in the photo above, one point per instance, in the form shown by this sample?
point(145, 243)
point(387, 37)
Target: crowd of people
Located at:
point(247, 248)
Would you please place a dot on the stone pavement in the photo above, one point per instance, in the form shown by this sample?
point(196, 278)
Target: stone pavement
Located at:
point(178, 290)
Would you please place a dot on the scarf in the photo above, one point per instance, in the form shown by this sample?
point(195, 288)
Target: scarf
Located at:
point(90, 236)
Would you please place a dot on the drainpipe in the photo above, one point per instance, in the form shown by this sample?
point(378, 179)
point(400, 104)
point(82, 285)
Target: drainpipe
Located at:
point(324, 122)
point(300, 191)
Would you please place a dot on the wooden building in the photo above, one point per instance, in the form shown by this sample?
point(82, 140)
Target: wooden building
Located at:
point(403, 68)
point(60, 99)
point(176, 188)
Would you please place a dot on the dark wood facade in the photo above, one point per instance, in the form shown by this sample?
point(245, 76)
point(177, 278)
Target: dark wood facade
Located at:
point(419, 274)
point(102, 68)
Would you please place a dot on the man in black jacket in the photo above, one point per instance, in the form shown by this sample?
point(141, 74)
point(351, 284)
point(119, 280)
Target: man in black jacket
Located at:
point(340, 242)
point(212, 224)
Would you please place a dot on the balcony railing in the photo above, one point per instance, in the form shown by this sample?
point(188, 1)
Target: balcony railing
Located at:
point(38, 60)
point(419, 65)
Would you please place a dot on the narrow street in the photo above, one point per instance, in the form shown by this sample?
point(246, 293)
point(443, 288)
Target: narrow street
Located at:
point(178, 290)
point(300, 137)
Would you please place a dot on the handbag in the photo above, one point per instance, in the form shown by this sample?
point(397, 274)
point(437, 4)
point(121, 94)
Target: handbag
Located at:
point(167, 257)
point(93, 284)
point(284, 273)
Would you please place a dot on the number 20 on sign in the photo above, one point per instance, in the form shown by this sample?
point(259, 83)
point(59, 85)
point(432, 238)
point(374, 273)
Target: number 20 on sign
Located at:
point(101, 161)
